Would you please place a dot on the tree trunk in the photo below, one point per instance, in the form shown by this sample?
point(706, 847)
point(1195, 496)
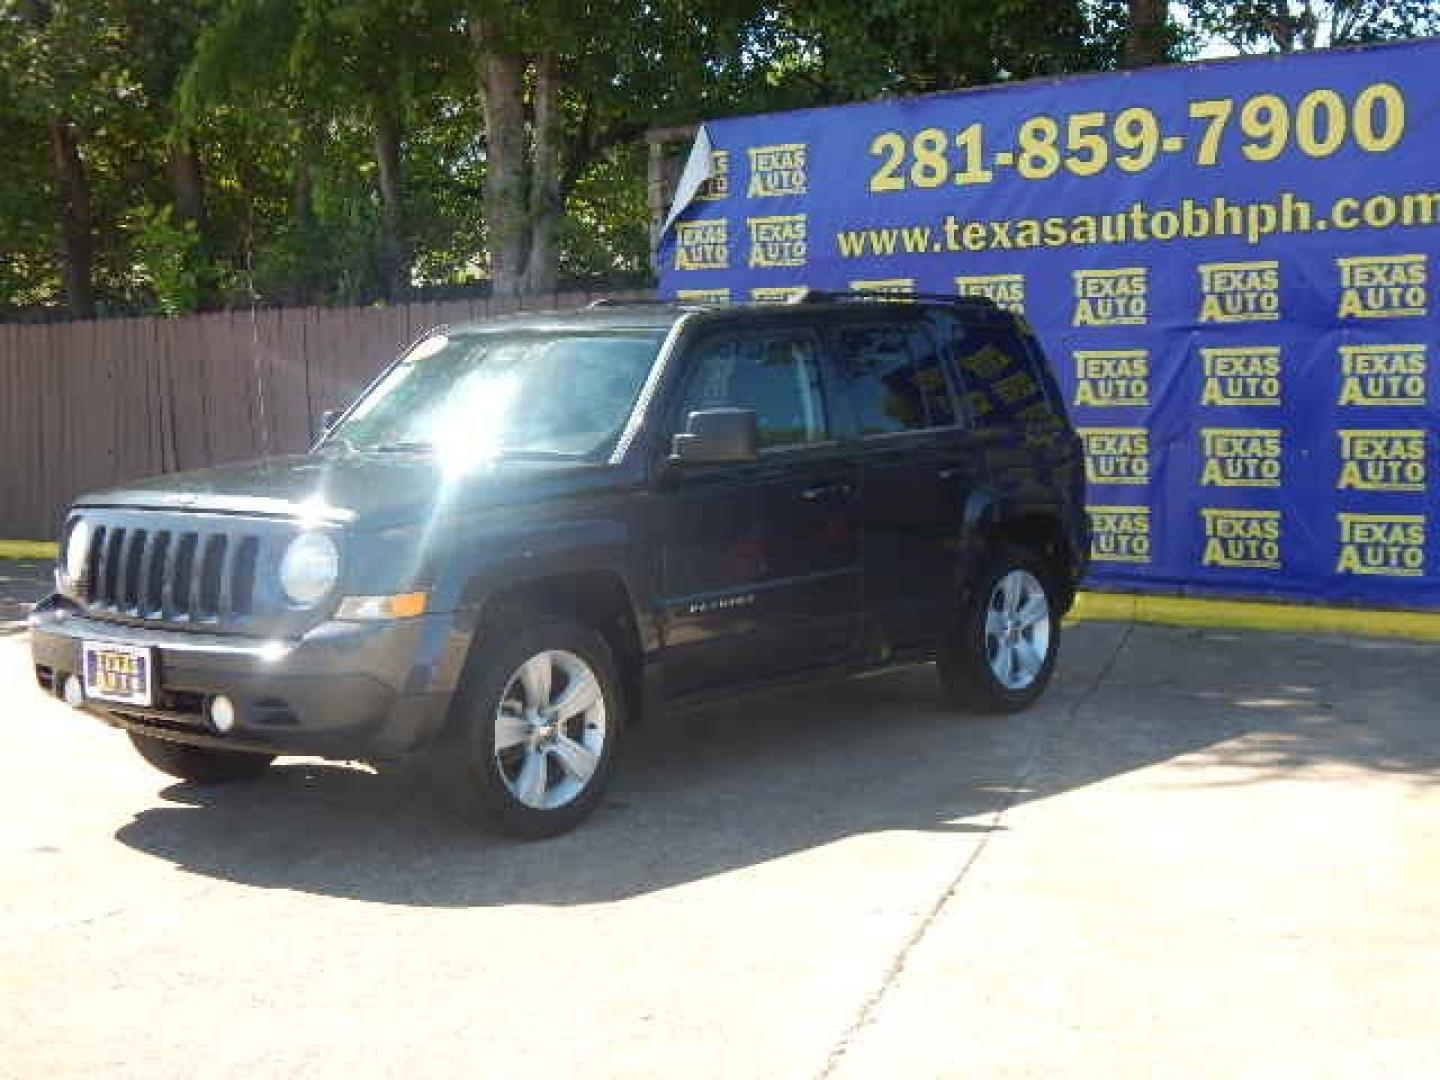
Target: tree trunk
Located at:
point(188, 184)
point(546, 202)
point(1146, 38)
point(307, 284)
point(394, 253)
point(73, 189)
point(302, 198)
point(502, 78)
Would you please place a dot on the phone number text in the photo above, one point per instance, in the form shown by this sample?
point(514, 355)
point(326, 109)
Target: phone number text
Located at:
point(1259, 128)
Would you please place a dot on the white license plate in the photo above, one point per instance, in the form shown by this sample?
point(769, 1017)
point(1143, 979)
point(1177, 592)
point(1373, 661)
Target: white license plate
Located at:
point(124, 673)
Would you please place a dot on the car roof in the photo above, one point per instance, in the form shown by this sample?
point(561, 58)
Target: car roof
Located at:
point(613, 316)
point(661, 315)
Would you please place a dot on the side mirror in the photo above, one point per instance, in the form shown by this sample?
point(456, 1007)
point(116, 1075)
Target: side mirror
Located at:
point(329, 418)
point(712, 436)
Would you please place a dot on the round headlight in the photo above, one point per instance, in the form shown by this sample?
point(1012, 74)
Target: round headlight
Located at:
point(310, 568)
point(77, 547)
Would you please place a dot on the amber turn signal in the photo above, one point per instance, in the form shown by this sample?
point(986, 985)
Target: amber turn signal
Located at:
point(367, 608)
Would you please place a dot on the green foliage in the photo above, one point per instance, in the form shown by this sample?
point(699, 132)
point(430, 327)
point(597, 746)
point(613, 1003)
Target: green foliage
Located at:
point(1258, 26)
point(29, 271)
point(605, 237)
point(166, 258)
point(233, 150)
point(833, 50)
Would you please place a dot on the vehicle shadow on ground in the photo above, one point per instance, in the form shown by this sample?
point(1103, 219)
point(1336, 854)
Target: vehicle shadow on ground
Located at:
point(741, 785)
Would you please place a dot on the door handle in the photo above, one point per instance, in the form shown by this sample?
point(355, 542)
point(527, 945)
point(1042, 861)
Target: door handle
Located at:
point(949, 474)
point(836, 492)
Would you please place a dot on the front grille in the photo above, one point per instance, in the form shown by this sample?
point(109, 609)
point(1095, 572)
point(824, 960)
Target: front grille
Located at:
point(169, 574)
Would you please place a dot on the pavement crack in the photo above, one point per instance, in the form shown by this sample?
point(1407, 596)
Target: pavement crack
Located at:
point(896, 967)
point(64, 924)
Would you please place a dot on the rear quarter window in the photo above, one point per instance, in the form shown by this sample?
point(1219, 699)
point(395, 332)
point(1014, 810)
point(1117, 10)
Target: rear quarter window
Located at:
point(1003, 378)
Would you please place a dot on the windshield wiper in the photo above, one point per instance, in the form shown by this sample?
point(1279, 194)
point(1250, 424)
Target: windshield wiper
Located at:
point(424, 446)
point(538, 455)
point(404, 446)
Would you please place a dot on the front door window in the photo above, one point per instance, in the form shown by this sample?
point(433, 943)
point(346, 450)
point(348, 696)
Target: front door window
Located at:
point(778, 376)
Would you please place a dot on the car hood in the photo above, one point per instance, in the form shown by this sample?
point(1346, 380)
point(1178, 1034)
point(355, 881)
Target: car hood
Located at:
point(363, 489)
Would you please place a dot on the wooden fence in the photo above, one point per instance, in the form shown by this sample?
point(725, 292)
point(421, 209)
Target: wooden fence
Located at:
point(86, 405)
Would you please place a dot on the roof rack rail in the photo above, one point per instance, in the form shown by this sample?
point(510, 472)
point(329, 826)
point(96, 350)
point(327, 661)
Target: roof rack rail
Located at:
point(618, 301)
point(818, 296)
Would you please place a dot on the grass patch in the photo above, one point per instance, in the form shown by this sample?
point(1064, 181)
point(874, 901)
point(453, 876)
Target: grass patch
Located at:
point(28, 549)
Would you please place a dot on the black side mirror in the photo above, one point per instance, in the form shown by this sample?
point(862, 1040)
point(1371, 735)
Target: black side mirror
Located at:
point(716, 435)
point(329, 418)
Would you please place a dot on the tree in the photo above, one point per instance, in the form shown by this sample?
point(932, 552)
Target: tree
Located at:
point(825, 51)
point(158, 39)
point(562, 86)
point(327, 60)
point(29, 259)
point(180, 154)
point(1149, 36)
point(55, 55)
point(1259, 26)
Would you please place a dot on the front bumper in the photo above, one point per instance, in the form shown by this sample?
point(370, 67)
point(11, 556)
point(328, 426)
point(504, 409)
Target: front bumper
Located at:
point(342, 690)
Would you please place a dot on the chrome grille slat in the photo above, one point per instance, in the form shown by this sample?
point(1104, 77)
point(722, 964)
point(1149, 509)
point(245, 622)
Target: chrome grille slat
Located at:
point(92, 564)
point(167, 583)
point(224, 602)
point(196, 564)
point(156, 560)
point(132, 558)
point(184, 574)
point(247, 559)
point(211, 576)
point(110, 565)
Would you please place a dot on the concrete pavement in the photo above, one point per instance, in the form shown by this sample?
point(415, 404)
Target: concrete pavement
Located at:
point(1203, 854)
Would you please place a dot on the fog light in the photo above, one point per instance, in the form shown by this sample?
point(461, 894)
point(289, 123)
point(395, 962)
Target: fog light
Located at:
point(221, 713)
point(73, 692)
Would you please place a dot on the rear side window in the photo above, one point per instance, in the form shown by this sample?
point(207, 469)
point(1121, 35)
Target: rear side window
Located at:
point(894, 379)
point(1002, 384)
point(777, 375)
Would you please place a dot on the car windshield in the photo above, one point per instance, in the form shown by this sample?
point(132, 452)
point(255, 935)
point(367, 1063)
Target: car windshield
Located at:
point(473, 397)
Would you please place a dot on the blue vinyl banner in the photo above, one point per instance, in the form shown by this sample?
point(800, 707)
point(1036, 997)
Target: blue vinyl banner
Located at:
point(1232, 267)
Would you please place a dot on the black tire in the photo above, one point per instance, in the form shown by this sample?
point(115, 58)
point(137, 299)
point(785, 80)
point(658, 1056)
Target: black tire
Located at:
point(199, 764)
point(471, 776)
point(966, 672)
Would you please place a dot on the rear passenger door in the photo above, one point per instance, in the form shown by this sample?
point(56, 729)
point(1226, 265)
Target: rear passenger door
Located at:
point(761, 563)
point(916, 474)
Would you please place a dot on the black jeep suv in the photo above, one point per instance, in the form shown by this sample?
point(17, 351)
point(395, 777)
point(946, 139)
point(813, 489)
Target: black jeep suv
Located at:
point(527, 535)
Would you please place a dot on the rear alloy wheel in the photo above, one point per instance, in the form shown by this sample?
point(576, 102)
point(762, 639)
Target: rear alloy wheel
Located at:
point(1017, 629)
point(200, 764)
point(533, 738)
point(1001, 654)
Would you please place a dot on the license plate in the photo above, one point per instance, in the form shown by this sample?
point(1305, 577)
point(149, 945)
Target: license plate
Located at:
point(124, 673)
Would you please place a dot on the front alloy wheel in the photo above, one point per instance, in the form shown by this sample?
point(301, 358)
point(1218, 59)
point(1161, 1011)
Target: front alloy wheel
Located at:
point(535, 728)
point(550, 729)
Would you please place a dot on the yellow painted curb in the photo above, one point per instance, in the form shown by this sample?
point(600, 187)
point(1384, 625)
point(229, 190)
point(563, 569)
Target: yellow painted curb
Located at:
point(28, 549)
point(1254, 615)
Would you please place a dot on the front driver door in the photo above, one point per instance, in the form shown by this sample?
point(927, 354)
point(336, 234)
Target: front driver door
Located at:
point(761, 563)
